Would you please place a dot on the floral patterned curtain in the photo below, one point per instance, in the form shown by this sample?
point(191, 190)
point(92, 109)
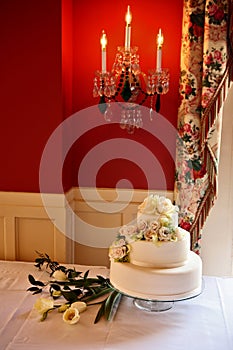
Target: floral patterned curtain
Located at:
point(206, 59)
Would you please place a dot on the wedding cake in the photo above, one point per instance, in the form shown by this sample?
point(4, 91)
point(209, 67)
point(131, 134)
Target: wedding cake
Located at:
point(151, 259)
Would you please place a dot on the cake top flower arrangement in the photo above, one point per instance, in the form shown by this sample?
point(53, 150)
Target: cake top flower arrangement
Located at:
point(157, 222)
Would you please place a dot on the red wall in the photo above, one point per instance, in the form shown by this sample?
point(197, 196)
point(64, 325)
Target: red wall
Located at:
point(30, 89)
point(45, 77)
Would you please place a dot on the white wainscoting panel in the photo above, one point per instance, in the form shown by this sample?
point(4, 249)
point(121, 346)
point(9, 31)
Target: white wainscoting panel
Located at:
point(77, 227)
point(26, 227)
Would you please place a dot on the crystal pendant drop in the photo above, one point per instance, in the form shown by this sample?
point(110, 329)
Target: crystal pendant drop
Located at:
point(108, 113)
point(102, 104)
point(126, 91)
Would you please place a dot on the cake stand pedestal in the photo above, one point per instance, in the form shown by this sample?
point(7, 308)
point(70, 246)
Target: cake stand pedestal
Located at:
point(153, 305)
point(162, 303)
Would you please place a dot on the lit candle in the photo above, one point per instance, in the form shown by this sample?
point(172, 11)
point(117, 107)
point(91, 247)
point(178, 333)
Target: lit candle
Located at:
point(159, 50)
point(128, 18)
point(103, 42)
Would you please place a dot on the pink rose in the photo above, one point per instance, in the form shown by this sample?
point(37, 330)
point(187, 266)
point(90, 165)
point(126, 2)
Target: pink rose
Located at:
point(208, 59)
point(197, 30)
point(187, 128)
point(212, 9)
point(219, 14)
point(188, 89)
point(218, 55)
point(185, 225)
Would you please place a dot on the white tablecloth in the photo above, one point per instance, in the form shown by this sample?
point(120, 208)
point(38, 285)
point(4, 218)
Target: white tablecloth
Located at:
point(203, 323)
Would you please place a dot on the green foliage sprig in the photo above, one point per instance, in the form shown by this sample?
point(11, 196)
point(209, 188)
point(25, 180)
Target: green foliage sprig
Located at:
point(77, 286)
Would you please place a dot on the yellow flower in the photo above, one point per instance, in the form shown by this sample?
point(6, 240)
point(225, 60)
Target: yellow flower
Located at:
point(80, 306)
point(43, 304)
point(71, 315)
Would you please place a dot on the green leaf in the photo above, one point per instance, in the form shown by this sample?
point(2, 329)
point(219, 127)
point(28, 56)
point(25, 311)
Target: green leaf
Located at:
point(101, 279)
point(72, 273)
point(55, 286)
point(98, 295)
point(35, 290)
point(69, 296)
point(86, 274)
point(34, 282)
point(198, 19)
point(31, 279)
point(110, 303)
point(196, 164)
point(100, 313)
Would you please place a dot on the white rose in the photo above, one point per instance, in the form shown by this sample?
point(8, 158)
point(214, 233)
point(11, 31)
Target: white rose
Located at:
point(59, 275)
point(117, 252)
point(149, 205)
point(119, 243)
point(79, 305)
point(71, 315)
point(43, 304)
point(128, 230)
point(164, 206)
point(142, 225)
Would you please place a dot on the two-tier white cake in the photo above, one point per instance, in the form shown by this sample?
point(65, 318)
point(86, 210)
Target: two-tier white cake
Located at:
point(152, 259)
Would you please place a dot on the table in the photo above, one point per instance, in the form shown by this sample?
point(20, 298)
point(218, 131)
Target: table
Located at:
point(205, 322)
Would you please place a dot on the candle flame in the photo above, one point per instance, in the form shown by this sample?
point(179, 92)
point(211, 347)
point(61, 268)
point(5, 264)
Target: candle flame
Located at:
point(160, 39)
point(128, 16)
point(103, 40)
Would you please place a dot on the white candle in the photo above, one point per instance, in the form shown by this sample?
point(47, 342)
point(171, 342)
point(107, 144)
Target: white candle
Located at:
point(159, 51)
point(103, 42)
point(128, 18)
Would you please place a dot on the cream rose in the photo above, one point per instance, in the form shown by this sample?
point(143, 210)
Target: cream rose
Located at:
point(164, 234)
point(154, 226)
point(71, 315)
point(149, 235)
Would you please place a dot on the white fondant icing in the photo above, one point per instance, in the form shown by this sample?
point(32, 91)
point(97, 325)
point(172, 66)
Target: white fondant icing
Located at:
point(161, 254)
point(158, 284)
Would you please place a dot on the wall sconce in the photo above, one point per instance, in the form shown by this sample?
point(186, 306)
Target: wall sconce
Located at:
point(127, 83)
